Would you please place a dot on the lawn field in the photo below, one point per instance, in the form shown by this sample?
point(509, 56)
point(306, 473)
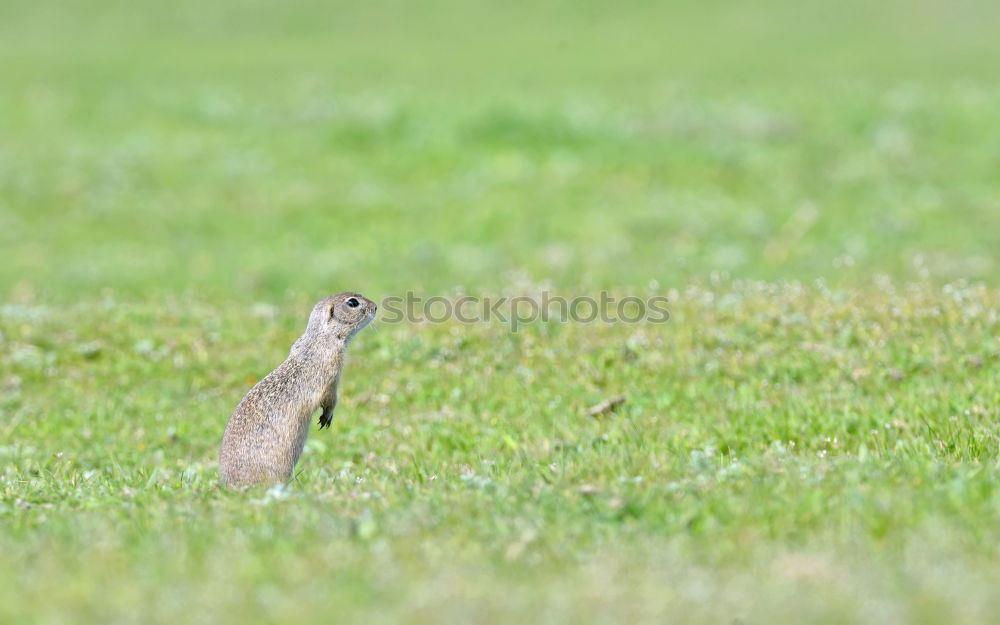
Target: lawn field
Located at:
point(812, 437)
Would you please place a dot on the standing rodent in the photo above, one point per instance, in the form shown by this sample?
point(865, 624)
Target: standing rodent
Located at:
point(265, 435)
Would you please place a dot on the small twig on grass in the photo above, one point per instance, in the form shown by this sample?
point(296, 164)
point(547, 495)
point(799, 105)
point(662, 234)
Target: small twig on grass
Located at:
point(606, 406)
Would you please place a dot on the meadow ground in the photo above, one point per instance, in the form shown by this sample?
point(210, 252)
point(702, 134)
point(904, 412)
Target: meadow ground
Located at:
point(813, 436)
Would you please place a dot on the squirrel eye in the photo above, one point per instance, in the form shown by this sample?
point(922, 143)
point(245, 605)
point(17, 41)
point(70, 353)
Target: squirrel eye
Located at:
point(353, 302)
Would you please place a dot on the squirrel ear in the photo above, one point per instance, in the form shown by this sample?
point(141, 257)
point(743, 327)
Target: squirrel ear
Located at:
point(333, 309)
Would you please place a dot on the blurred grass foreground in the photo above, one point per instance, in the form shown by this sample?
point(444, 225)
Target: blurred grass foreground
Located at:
point(812, 437)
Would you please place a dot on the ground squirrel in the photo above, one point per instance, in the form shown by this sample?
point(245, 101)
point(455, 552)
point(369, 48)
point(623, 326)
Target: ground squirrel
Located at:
point(265, 435)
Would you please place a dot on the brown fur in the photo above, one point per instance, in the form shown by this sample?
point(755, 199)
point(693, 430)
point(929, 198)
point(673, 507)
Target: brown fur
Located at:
point(264, 438)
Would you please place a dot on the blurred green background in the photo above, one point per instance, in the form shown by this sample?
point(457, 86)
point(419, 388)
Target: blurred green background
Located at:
point(240, 151)
point(813, 437)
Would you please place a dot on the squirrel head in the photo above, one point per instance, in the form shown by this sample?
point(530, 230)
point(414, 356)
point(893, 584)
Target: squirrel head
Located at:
point(336, 319)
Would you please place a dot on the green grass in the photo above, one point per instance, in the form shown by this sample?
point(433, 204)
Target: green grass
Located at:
point(812, 437)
